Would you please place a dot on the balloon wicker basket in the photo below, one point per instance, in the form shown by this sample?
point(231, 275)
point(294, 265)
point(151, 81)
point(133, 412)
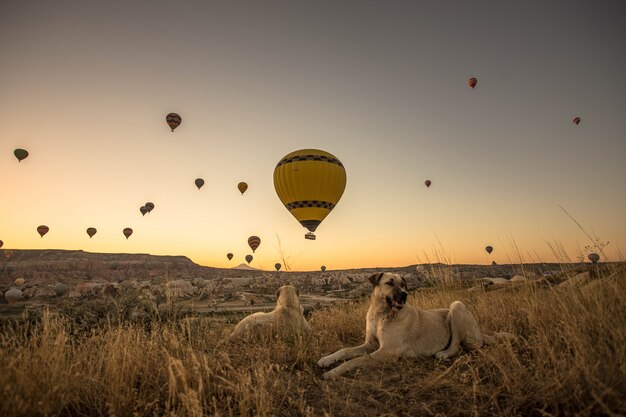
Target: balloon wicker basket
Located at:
point(310, 236)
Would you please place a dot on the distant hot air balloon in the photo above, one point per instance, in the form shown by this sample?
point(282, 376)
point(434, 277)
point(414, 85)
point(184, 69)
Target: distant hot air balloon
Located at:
point(427, 182)
point(149, 206)
point(173, 120)
point(60, 289)
point(309, 182)
point(8, 254)
point(323, 268)
point(199, 183)
point(472, 82)
point(249, 258)
point(277, 266)
point(489, 249)
point(19, 282)
point(13, 295)
point(1, 243)
point(494, 263)
point(593, 257)
point(229, 256)
point(242, 186)
point(42, 230)
point(254, 242)
point(91, 231)
point(143, 210)
point(20, 154)
point(576, 120)
point(127, 232)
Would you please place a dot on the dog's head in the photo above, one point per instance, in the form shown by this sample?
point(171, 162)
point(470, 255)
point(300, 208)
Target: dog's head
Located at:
point(288, 295)
point(391, 288)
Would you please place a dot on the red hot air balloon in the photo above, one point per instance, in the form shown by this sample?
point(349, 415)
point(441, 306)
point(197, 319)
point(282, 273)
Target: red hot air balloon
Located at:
point(173, 120)
point(91, 231)
point(249, 258)
point(199, 183)
point(20, 154)
point(143, 210)
point(42, 230)
point(323, 268)
point(277, 266)
point(489, 249)
point(472, 82)
point(427, 183)
point(127, 232)
point(254, 242)
point(229, 256)
point(242, 186)
point(576, 121)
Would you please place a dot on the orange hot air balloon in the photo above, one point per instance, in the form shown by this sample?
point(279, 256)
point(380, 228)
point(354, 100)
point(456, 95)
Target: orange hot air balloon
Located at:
point(254, 242)
point(323, 268)
point(91, 231)
point(249, 258)
point(20, 154)
point(242, 186)
point(576, 121)
point(127, 232)
point(143, 210)
point(277, 266)
point(149, 206)
point(42, 230)
point(489, 249)
point(199, 182)
point(427, 183)
point(229, 256)
point(472, 82)
point(173, 120)
point(1, 243)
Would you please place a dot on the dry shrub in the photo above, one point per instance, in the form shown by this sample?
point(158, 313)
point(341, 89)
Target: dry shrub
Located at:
point(568, 359)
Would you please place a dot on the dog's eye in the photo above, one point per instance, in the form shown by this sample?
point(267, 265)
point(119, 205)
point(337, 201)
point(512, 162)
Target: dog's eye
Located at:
point(389, 282)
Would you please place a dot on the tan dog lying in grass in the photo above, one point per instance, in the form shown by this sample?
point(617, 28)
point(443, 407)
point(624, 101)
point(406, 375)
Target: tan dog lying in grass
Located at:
point(287, 319)
point(395, 329)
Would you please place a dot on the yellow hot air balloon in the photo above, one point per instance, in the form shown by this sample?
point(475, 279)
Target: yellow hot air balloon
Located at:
point(310, 182)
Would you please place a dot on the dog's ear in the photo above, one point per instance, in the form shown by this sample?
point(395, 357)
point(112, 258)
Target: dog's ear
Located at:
point(406, 284)
point(374, 279)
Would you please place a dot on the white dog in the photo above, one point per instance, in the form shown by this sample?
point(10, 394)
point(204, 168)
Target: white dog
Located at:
point(287, 319)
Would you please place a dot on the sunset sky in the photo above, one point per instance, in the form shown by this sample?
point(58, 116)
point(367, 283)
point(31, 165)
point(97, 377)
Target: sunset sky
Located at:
point(86, 86)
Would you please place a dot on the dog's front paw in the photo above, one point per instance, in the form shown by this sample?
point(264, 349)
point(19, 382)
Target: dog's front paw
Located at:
point(443, 355)
point(330, 375)
point(326, 361)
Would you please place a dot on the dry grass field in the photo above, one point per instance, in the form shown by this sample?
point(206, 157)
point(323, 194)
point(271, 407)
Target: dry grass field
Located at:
point(569, 360)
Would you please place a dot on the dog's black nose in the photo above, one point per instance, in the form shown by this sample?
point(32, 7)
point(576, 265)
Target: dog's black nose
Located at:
point(403, 296)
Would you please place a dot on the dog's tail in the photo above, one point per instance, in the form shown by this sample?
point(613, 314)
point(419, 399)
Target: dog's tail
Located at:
point(497, 337)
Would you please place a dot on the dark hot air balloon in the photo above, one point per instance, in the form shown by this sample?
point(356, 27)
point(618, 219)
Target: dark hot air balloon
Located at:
point(143, 210)
point(61, 289)
point(323, 268)
point(1, 243)
point(127, 232)
point(149, 206)
point(173, 120)
point(229, 256)
point(254, 242)
point(309, 182)
point(427, 183)
point(91, 231)
point(249, 258)
point(199, 182)
point(277, 266)
point(593, 257)
point(472, 82)
point(489, 249)
point(576, 120)
point(20, 154)
point(42, 230)
point(242, 186)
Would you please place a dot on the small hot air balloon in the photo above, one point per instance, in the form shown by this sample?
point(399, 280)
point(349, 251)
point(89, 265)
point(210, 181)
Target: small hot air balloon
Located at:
point(8, 254)
point(173, 120)
point(323, 268)
point(472, 82)
point(277, 266)
point(1, 243)
point(20, 154)
point(19, 282)
point(254, 242)
point(309, 182)
point(91, 231)
point(127, 232)
point(242, 186)
point(229, 256)
point(13, 295)
point(249, 258)
point(494, 263)
point(143, 210)
point(199, 183)
point(576, 120)
point(489, 249)
point(149, 206)
point(593, 257)
point(42, 230)
point(427, 183)
point(60, 289)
